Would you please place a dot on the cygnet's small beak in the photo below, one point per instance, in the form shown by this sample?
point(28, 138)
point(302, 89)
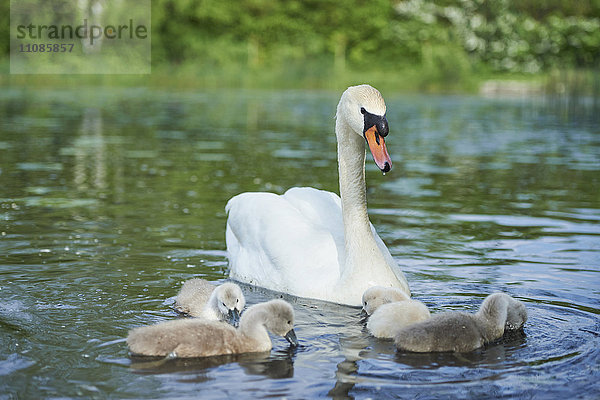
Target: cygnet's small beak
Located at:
point(233, 317)
point(376, 144)
point(363, 315)
point(291, 337)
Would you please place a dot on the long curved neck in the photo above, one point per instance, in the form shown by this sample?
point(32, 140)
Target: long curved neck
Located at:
point(362, 252)
point(211, 308)
point(252, 325)
point(351, 165)
point(493, 311)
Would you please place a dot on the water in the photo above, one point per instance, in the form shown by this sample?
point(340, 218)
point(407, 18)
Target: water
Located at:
point(110, 198)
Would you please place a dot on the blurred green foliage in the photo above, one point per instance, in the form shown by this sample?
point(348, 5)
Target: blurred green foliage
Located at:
point(444, 41)
point(503, 35)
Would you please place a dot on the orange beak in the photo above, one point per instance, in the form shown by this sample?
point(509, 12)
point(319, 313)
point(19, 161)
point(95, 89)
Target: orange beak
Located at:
point(377, 146)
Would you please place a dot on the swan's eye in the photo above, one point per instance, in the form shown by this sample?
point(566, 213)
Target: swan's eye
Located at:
point(362, 110)
point(224, 304)
point(237, 300)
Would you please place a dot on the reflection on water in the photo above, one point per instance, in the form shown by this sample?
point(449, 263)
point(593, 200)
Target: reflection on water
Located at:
point(109, 199)
point(276, 366)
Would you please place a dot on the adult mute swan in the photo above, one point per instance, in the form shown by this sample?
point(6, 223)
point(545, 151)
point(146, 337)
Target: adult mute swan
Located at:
point(309, 242)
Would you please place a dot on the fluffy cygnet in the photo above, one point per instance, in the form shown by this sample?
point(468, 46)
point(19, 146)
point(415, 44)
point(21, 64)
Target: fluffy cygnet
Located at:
point(460, 332)
point(200, 298)
point(184, 338)
point(375, 296)
point(389, 318)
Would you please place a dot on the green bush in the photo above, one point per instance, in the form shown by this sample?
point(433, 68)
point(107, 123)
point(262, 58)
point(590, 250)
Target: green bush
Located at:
point(447, 40)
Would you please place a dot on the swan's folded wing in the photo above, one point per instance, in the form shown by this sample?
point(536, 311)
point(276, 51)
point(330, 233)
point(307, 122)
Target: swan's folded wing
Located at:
point(270, 238)
point(321, 208)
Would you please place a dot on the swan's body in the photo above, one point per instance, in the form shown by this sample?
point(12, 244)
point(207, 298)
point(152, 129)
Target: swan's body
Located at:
point(461, 332)
point(389, 318)
point(312, 243)
point(184, 338)
point(376, 296)
point(200, 298)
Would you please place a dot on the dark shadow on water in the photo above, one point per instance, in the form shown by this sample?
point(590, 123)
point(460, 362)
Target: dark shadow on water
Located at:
point(276, 365)
point(264, 294)
point(495, 353)
point(492, 356)
point(342, 387)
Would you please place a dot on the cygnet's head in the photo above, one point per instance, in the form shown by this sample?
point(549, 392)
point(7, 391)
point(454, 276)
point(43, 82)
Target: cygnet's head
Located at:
point(363, 109)
point(230, 301)
point(516, 315)
point(280, 320)
point(375, 296)
point(506, 312)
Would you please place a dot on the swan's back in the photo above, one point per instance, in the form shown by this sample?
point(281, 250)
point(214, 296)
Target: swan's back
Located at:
point(271, 238)
point(293, 243)
point(321, 208)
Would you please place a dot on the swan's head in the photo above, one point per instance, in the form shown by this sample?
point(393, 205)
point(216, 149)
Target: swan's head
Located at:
point(230, 301)
point(376, 296)
point(363, 109)
point(280, 320)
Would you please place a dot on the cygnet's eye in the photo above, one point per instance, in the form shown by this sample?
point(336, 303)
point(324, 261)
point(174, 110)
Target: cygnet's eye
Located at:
point(224, 305)
point(289, 322)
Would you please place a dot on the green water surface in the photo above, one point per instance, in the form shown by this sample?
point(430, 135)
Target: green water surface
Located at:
point(110, 198)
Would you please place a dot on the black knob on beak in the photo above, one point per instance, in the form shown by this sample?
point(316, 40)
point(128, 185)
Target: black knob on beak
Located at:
point(379, 121)
point(382, 127)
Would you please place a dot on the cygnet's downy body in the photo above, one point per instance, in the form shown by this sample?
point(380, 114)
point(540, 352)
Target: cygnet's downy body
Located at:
point(200, 298)
point(185, 338)
point(461, 332)
point(375, 296)
point(389, 318)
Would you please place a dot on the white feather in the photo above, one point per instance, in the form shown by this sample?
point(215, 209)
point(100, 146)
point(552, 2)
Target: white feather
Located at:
point(309, 242)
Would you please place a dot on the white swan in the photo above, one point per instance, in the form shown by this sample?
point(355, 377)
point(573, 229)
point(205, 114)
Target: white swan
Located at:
point(184, 338)
point(309, 242)
point(461, 332)
point(200, 298)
